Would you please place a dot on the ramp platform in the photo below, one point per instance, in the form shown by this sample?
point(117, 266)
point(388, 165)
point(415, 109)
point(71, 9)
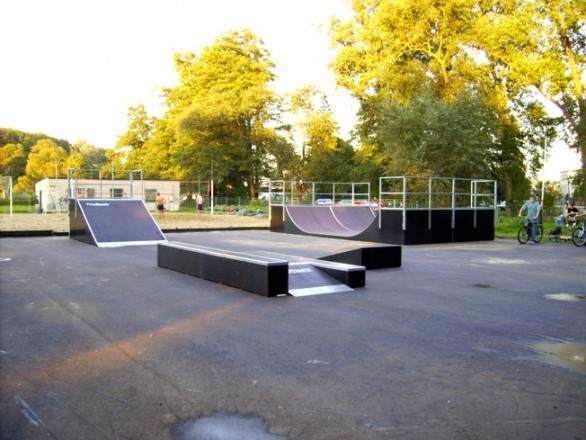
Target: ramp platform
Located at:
point(113, 222)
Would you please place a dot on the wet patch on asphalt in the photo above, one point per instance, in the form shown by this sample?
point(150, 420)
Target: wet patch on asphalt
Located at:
point(566, 354)
point(566, 296)
point(224, 426)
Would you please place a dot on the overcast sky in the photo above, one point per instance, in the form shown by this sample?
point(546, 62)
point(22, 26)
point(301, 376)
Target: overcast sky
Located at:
point(72, 68)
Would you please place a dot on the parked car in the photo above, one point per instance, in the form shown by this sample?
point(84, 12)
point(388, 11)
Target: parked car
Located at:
point(502, 205)
point(324, 202)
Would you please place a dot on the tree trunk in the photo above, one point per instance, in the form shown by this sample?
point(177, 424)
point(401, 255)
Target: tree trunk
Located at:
point(251, 186)
point(509, 191)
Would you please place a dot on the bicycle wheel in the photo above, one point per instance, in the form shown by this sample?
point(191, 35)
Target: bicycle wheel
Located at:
point(539, 234)
point(522, 235)
point(579, 236)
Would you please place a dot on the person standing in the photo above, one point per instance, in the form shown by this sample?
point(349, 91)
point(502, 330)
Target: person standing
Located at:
point(199, 201)
point(532, 208)
point(160, 203)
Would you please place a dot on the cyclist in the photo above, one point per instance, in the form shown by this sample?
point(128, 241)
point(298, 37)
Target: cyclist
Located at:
point(533, 210)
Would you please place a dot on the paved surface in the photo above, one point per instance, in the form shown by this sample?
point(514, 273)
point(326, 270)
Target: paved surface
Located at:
point(103, 344)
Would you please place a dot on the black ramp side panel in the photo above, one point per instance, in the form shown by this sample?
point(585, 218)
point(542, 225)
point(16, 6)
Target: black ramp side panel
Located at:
point(257, 274)
point(371, 257)
point(305, 279)
point(485, 225)
point(116, 222)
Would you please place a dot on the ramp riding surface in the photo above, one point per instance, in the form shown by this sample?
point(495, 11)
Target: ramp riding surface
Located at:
point(342, 221)
point(334, 221)
point(113, 222)
point(355, 218)
point(306, 279)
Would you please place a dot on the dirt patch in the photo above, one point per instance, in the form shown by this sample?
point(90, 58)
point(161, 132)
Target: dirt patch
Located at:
point(59, 223)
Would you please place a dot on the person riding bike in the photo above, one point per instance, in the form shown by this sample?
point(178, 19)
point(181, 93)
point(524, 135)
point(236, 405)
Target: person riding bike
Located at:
point(533, 210)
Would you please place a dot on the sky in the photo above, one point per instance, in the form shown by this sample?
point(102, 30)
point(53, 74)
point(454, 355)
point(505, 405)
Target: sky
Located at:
point(72, 68)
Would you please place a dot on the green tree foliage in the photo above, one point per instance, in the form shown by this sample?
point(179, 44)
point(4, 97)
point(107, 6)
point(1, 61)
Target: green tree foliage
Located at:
point(283, 161)
point(128, 152)
point(392, 50)
point(540, 46)
point(223, 108)
point(432, 137)
point(17, 156)
point(157, 158)
point(13, 136)
point(46, 159)
point(85, 156)
point(13, 159)
point(331, 164)
point(314, 120)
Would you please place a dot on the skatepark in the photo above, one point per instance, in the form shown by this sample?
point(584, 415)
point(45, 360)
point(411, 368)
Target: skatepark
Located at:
point(460, 340)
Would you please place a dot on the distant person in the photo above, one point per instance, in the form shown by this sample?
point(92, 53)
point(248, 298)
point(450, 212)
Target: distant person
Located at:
point(199, 202)
point(571, 213)
point(540, 219)
point(160, 202)
point(561, 220)
point(532, 208)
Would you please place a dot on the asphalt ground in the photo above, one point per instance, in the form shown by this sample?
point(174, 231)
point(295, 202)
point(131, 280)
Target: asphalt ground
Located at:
point(464, 341)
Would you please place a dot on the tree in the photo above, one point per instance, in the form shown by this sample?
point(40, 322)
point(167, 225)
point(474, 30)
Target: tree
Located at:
point(157, 152)
point(324, 156)
point(283, 161)
point(424, 137)
point(328, 157)
point(18, 157)
point(222, 108)
point(541, 47)
point(128, 151)
point(393, 51)
point(13, 160)
point(331, 164)
point(46, 159)
point(85, 156)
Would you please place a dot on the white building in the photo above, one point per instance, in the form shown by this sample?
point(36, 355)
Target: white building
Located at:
point(566, 187)
point(53, 194)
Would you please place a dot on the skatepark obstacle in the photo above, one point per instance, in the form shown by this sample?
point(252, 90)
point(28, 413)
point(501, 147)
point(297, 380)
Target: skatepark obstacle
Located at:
point(264, 273)
point(113, 222)
point(411, 210)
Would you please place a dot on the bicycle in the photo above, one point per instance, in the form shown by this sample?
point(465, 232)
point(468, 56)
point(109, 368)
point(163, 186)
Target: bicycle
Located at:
point(524, 233)
point(579, 234)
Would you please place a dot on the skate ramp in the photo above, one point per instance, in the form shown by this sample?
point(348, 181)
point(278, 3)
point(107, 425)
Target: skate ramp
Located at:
point(113, 222)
